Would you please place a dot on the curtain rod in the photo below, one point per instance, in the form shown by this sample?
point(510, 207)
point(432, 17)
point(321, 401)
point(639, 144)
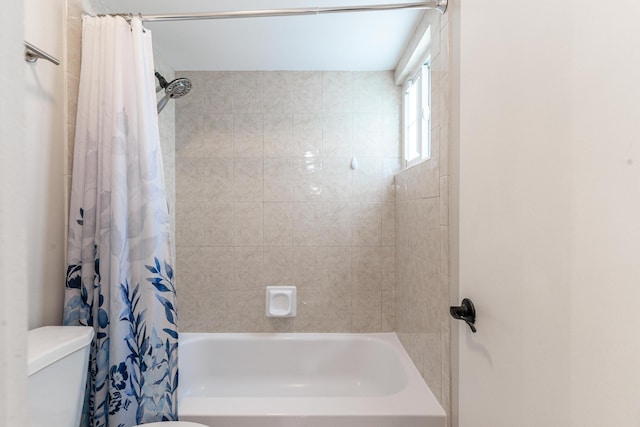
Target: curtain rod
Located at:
point(440, 5)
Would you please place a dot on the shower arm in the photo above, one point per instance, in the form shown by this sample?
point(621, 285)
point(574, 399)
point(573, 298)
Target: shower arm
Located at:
point(440, 5)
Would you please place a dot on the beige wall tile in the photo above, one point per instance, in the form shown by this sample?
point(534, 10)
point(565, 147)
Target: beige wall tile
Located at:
point(278, 91)
point(248, 135)
point(218, 179)
point(248, 224)
point(336, 225)
point(218, 86)
point(307, 224)
point(434, 148)
point(367, 311)
point(190, 129)
point(388, 311)
point(74, 38)
point(390, 128)
point(433, 363)
point(218, 223)
point(427, 230)
point(190, 222)
point(421, 302)
point(323, 311)
point(428, 180)
point(337, 134)
point(307, 91)
point(368, 179)
point(444, 200)
point(218, 135)
point(367, 134)
point(218, 269)
point(248, 179)
point(247, 92)
point(366, 221)
point(231, 311)
point(307, 179)
point(337, 181)
point(278, 134)
point(444, 250)
point(366, 265)
point(337, 91)
point(278, 224)
point(367, 91)
point(438, 100)
point(388, 213)
point(335, 266)
point(278, 179)
point(278, 266)
point(307, 135)
point(189, 179)
point(191, 310)
point(190, 133)
point(190, 280)
point(308, 267)
point(247, 268)
point(388, 268)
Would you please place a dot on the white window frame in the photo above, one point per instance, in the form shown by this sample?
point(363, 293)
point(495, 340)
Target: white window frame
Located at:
point(420, 80)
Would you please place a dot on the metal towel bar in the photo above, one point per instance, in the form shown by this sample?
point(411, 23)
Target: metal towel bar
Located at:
point(33, 53)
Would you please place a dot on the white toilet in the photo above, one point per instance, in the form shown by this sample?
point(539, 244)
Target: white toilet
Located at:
point(57, 369)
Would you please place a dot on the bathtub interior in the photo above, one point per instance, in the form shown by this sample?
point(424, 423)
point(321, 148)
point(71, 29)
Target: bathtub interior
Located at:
point(311, 380)
point(289, 366)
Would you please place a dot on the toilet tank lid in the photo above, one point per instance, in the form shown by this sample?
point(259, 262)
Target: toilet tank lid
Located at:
point(49, 344)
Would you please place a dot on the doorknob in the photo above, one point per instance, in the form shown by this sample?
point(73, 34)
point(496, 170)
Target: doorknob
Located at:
point(466, 312)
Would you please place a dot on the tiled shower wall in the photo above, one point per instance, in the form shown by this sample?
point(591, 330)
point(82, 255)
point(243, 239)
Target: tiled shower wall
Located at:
point(266, 195)
point(422, 244)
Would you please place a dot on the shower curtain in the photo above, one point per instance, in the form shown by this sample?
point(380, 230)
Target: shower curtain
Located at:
point(119, 272)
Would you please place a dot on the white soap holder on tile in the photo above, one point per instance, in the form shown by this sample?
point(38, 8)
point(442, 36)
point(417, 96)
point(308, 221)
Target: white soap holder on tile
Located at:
point(281, 301)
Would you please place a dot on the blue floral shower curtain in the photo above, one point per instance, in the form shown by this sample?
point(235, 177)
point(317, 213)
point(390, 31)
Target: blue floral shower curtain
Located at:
point(119, 273)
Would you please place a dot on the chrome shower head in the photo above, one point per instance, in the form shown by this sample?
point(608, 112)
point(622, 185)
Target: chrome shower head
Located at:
point(177, 88)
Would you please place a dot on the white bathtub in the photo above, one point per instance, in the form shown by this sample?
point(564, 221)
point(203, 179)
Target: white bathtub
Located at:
point(310, 380)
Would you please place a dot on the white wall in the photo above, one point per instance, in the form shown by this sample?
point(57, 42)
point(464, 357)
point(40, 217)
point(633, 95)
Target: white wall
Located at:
point(13, 286)
point(547, 200)
point(44, 166)
point(605, 350)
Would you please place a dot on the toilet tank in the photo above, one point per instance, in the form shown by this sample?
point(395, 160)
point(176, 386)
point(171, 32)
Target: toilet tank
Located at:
point(57, 366)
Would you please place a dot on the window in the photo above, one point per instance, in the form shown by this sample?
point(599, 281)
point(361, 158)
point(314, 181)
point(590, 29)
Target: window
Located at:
point(417, 116)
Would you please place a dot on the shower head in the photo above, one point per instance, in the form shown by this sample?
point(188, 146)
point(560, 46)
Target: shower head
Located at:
point(176, 88)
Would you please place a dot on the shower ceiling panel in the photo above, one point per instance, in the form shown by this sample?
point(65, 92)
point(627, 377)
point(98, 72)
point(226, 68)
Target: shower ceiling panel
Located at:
point(343, 41)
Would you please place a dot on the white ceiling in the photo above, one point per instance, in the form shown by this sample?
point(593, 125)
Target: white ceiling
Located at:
point(341, 41)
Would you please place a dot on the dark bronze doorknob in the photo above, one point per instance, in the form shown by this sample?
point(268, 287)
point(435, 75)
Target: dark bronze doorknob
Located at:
point(466, 312)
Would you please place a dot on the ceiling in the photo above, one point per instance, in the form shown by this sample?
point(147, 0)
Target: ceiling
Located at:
point(340, 41)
